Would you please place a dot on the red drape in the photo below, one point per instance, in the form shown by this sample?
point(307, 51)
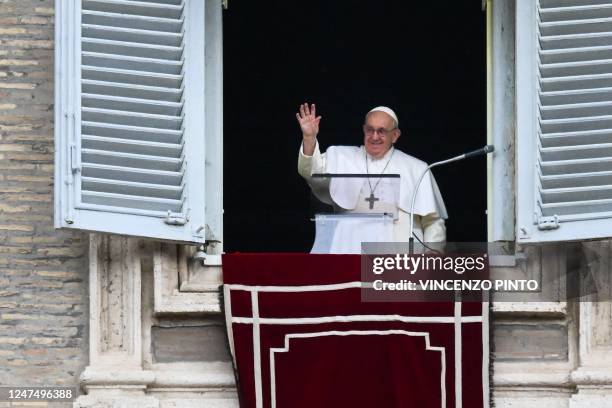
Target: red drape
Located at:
point(302, 337)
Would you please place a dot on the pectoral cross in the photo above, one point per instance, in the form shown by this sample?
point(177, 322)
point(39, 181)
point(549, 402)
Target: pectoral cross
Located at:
point(371, 200)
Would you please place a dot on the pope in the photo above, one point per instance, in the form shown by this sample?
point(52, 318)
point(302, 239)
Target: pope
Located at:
point(376, 156)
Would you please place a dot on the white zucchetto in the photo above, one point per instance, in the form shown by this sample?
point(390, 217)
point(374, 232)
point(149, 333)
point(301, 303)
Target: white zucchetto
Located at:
point(388, 111)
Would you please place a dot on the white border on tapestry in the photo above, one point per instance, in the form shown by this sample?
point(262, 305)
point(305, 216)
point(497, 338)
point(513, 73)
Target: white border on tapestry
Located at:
point(290, 336)
point(456, 319)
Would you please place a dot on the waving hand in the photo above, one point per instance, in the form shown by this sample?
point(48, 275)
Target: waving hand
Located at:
point(309, 123)
point(308, 120)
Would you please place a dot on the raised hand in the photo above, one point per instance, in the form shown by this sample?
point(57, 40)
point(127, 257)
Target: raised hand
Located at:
point(308, 120)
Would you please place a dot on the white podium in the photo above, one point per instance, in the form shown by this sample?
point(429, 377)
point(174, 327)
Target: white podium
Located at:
point(344, 233)
point(364, 208)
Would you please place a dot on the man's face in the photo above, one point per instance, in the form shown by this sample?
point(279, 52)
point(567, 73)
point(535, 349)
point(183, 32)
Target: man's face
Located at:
point(379, 134)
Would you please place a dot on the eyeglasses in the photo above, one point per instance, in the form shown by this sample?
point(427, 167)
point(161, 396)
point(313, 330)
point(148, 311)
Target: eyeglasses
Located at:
point(369, 131)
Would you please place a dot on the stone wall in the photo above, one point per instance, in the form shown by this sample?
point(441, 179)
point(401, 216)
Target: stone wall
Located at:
point(43, 272)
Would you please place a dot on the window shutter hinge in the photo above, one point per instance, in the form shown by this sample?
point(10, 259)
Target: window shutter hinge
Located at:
point(74, 164)
point(548, 223)
point(175, 219)
point(205, 258)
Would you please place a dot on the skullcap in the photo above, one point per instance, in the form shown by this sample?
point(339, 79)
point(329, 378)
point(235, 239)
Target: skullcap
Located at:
point(388, 111)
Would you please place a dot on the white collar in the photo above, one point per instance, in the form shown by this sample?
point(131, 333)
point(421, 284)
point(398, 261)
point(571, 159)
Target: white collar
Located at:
point(371, 159)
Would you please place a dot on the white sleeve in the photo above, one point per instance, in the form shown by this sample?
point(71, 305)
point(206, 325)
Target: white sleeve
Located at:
point(434, 229)
point(309, 165)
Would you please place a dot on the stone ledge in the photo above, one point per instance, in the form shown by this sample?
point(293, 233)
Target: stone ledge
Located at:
point(193, 380)
point(114, 377)
point(532, 375)
point(88, 401)
point(201, 376)
point(586, 376)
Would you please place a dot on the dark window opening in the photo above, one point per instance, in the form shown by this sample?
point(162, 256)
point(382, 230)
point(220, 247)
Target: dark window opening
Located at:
point(425, 60)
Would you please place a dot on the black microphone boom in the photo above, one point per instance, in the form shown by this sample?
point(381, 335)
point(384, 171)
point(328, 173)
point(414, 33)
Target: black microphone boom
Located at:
point(479, 152)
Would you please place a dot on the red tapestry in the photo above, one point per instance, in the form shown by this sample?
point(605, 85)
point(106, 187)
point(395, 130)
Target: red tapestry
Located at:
point(300, 336)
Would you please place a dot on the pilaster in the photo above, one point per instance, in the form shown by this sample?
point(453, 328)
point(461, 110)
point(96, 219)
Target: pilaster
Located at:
point(115, 375)
point(593, 377)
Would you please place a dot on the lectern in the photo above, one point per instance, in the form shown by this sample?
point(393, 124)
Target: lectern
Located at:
point(359, 208)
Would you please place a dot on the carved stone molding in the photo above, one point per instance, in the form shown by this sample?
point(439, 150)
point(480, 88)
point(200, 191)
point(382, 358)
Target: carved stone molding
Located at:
point(547, 265)
point(593, 377)
point(114, 290)
point(531, 385)
point(182, 285)
point(115, 377)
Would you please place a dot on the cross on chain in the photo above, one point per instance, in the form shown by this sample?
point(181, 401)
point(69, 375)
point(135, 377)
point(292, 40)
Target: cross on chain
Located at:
point(371, 199)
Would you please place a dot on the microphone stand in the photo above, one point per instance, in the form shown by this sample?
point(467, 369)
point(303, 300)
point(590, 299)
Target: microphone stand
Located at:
point(479, 152)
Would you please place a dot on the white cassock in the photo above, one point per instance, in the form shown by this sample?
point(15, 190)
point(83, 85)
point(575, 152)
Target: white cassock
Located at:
point(349, 195)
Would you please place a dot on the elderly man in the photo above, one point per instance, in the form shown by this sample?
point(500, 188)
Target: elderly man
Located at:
point(377, 156)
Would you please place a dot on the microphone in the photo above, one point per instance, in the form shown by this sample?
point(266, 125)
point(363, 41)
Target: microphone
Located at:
point(478, 152)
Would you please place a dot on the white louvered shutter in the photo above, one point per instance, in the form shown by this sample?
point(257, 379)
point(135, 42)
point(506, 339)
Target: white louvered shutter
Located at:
point(564, 119)
point(130, 117)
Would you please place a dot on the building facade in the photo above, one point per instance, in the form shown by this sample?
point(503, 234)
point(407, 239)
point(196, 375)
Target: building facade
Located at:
point(108, 305)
